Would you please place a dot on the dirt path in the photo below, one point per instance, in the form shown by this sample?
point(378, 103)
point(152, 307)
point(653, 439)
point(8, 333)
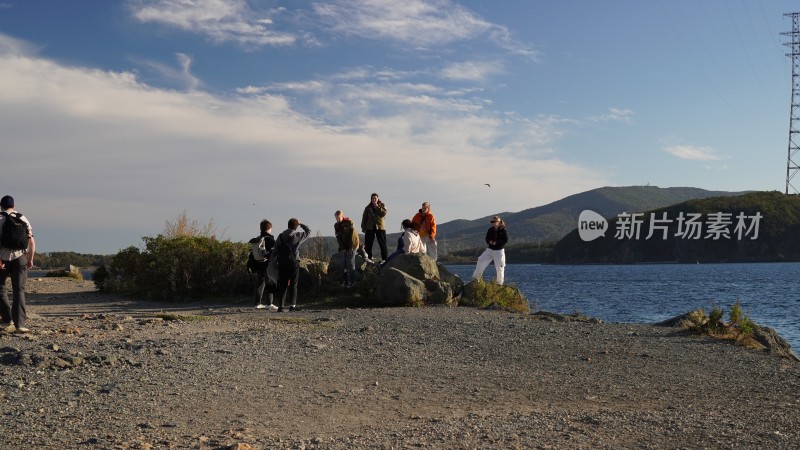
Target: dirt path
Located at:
point(108, 372)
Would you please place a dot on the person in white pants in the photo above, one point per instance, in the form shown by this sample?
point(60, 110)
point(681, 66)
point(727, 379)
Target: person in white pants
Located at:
point(496, 239)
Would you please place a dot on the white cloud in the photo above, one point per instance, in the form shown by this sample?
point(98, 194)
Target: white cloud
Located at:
point(472, 70)
point(614, 115)
point(130, 156)
point(219, 20)
point(432, 23)
point(414, 21)
point(693, 153)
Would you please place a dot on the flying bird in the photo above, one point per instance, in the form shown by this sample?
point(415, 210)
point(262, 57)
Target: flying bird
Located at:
point(487, 184)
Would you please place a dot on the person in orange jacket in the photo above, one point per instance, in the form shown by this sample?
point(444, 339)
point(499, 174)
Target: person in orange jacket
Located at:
point(427, 229)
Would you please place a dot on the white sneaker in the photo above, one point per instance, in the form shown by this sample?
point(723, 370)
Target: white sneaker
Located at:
point(260, 306)
point(23, 330)
point(273, 308)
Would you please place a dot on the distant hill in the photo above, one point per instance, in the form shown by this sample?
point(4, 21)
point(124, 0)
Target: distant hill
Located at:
point(553, 221)
point(778, 236)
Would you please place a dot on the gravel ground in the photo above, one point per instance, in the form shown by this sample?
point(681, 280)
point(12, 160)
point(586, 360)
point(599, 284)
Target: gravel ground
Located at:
point(100, 371)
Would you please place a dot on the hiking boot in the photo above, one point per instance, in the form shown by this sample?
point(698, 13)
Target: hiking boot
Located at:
point(293, 308)
point(280, 309)
point(260, 306)
point(273, 308)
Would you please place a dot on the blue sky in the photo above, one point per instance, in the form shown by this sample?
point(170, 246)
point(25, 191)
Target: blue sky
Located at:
point(115, 117)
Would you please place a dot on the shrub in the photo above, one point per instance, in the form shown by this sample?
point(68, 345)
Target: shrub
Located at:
point(736, 312)
point(714, 324)
point(180, 268)
point(482, 294)
point(100, 278)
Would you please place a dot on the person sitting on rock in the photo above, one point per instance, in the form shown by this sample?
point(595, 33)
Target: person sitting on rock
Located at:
point(408, 242)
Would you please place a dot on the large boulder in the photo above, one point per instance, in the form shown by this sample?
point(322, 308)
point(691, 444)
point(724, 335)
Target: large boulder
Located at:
point(335, 269)
point(312, 273)
point(418, 265)
point(440, 293)
point(774, 343)
point(455, 282)
point(397, 288)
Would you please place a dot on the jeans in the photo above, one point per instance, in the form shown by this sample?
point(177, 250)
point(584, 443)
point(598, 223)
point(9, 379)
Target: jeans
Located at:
point(349, 263)
point(18, 311)
point(261, 286)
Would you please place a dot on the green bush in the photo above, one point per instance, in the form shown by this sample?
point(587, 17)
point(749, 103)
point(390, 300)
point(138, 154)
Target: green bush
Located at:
point(100, 278)
point(482, 294)
point(736, 312)
point(714, 324)
point(179, 268)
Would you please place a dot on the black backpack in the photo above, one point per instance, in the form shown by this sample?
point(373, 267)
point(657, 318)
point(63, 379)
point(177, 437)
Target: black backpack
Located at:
point(14, 235)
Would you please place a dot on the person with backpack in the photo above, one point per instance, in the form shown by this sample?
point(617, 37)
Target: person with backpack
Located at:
point(17, 249)
point(496, 239)
point(257, 262)
point(372, 225)
point(286, 272)
point(348, 243)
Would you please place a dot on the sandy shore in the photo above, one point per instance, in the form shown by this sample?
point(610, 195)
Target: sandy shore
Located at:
point(101, 371)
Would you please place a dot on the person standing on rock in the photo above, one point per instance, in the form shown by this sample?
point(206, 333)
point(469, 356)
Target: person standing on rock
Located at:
point(427, 230)
point(496, 238)
point(372, 226)
point(16, 257)
point(287, 272)
point(262, 281)
point(348, 243)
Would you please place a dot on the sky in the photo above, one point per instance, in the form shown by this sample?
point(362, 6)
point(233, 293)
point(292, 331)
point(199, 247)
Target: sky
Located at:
point(118, 116)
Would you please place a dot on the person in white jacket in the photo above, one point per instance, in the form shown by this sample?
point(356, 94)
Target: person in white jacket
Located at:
point(409, 242)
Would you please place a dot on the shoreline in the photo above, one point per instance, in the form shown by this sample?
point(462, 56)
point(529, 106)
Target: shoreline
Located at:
point(123, 373)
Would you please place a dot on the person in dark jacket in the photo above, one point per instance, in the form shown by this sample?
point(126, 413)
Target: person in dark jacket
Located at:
point(262, 281)
point(496, 239)
point(372, 225)
point(287, 256)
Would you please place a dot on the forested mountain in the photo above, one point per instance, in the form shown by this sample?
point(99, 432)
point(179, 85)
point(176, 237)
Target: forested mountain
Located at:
point(758, 226)
point(553, 221)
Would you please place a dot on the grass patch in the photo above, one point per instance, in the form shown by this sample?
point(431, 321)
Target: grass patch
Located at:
point(739, 327)
point(482, 294)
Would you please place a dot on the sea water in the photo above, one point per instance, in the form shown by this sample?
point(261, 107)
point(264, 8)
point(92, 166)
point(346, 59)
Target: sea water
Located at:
point(646, 293)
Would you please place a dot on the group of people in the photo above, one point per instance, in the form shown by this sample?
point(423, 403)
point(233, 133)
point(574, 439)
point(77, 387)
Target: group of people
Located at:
point(17, 248)
point(418, 236)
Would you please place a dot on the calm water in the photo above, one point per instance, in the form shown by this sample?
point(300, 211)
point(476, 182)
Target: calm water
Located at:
point(768, 292)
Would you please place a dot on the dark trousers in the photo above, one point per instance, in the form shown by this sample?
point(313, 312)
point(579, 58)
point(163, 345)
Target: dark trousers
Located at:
point(18, 271)
point(261, 286)
point(370, 236)
point(287, 281)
